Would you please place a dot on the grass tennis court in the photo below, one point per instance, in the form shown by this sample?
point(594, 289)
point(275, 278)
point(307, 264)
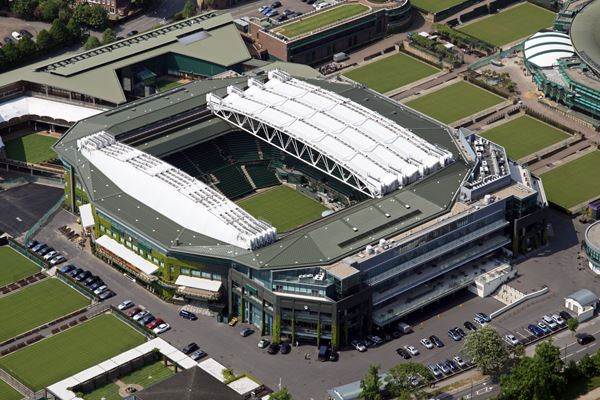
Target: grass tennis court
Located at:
point(282, 207)
point(72, 351)
point(35, 305)
point(146, 376)
point(8, 393)
point(322, 19)
point(455, 102)
point(33, 148)
point(391, 72)
point(510, 25)
point(574, 182)
point(433, 6)
point(163, 85)
point(524, 136)
point(14, 266)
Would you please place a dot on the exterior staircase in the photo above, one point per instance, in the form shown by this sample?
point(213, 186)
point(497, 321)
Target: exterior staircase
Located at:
point(508, 294)
point(247, 175)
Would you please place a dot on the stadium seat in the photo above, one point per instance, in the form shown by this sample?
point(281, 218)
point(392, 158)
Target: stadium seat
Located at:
point(232, 182)
point(262, 175)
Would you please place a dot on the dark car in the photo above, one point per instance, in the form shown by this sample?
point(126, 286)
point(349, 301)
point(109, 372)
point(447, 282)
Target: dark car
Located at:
point(190, 347)
point(282, 18)
point(460, 331)
point(285, 348)
point(185, 314)
point(75, 272)
point(334, 356)
point(146, 319)
point(132, 33)
point(90, 279)
point(470, 326)
point(452, 365)
point(25, 33)
point(276, 4)
point(198, 354)
point(83, 276)
point(436, 341)
point(8, 40)
point(273, 348)
point(288, 12)
point(106, 294)
point(565, 315)
point(403, 353)
point(96, 284)
point(119, 38)
point(246, 332)
point(45, 250)
point(323, 353)
point(131, 313)
point(32, 243)
point(585, 338)
point(535, 330)
point(67, 268)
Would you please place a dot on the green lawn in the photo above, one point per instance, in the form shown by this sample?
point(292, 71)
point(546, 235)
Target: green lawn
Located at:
point(164, 85)
point(433, 6)
point(13, 266)
point(33, 148)
point(72, 351)
point(282, 207)
point(524, 136)
point(146, 376)
point(8, 393)
point(322, 19)
point(391, 72)
point(510, 25)
point(35, 305)
point(455, 102)
point(574, 182)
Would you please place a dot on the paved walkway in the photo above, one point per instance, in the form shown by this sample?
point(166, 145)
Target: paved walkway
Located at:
point(593, 395)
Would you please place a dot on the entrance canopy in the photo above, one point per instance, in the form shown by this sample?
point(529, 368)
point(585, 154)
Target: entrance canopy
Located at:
point(127, 255)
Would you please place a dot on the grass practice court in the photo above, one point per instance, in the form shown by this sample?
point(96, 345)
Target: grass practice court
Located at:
point(455, 102)
point(322, 19)
point(146, 376)
point(282, 207)
point(37, 304)
point(164, 84)
point(391, 72)
point(14, 266)
point(8, 393)
point(510, 25)
point(33, 148)
point(60, 356)
point(575, 182)
point(433, 6)
point(524, 136)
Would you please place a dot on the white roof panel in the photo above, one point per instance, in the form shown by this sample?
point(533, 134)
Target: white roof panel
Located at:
point(365, 143)
point(26, 105)
point(198, 283)
point(123, 252)
point(243, 385)
point(213, 367)
point(87, 218)
point(545, 48)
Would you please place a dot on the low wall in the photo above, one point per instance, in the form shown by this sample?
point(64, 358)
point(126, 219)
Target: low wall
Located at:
point(522, 300)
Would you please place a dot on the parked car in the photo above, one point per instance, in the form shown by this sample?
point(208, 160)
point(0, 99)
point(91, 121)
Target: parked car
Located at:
point(358, 345)
point(57, 260)
point(483, 316)
point(83, 275)
point(559, 320)
point(185, 314)
point(7, 40)
point(584, 338)
point(459, 330)
point(190, 348)
point(100, 289)
point(25, 32)
point(67, 268)
point(246, 332)
point(106, 294)
point(454, 335)
point(273, 348)
point(133, 312)
point(272, 13)
point(551, 323)
point(285, 348)
point(565, 315)
point(544, 327)
point(140, 315)
point(452, 365)
point(282, 18)
point(75, 272)
point(334, 356)
point(125, 305)
point(459, 361)
point(234, 320)
point(17, 35)
point(51, 254)
point(97, 284)
point(276, 4)
point(376, 340)
point(427, 343)
point(469, 326)
point(161, 328)
point(262, 343)
point(90, 279)
point(535, 330)
point(480, 321)
point(147, 318)
point(45, 250)
point(444, 368)
point(262, 8)
point(403, 353)
point(288, 12)
point(32, 243)
point(266, 10)
point(154, 323)
point(412, 350)
point(511, 339)
point(132, 33)
point(198, 354)
point(436, 341)
point(35, 248)
point(437, 373)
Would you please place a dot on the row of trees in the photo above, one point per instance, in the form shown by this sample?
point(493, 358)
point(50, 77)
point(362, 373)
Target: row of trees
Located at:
point(85, 15)
point(403, 382)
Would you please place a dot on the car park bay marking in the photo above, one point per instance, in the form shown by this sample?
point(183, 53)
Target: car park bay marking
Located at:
point(520, 334)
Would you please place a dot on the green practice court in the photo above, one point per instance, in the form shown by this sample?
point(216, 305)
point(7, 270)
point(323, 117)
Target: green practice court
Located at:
point(33, 148)
point(433, 6)
point(455, 102)
point(282, 207)
point(60, 356)
point(14, 266)
point(8, 393)
point(391, 72)
point(164, 84)
point(37, 304)
point(511, 24)
point(575, 182)
point(524, 136)
point(321, 19)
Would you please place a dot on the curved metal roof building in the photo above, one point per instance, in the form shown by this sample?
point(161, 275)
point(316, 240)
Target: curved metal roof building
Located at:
point(545, 48)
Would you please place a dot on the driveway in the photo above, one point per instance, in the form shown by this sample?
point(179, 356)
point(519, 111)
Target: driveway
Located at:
point(9, 25)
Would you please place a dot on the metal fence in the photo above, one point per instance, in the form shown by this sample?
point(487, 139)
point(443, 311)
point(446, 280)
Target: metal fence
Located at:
point(42, 221)
point(19, 248)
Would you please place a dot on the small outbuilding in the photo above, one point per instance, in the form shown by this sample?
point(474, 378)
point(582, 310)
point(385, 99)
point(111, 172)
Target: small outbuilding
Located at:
point(583, 303)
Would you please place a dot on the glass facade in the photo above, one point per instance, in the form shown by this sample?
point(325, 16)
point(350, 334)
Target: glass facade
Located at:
point(592, 247)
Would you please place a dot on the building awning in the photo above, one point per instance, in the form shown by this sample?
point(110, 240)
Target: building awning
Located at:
point(87, 218)
point(198, 283)
point(129, 256)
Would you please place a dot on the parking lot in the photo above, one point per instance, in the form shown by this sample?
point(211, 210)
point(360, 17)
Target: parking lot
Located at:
point(251, 10)
point(307, 377)
point(9, 25)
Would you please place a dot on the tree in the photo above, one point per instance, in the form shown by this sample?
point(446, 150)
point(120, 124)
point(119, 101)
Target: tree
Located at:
point(486, 348)
point(23, 8)
point(80, 14)
point(572, 324)
point(60, 34)
point(281, 394)
point(92, 42)
point(400, 381)
point(97, 17)
point(108, 36)
point(49, 9)
point(26, 47)
point(189, 9)
point(11, 53)
point(370, 386)
point(73, 29)
point(587, 366)
point(44, 41)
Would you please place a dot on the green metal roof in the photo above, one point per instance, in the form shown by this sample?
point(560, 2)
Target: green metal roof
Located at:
point(210, 37)
point(321, 242)
point(585, 34)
